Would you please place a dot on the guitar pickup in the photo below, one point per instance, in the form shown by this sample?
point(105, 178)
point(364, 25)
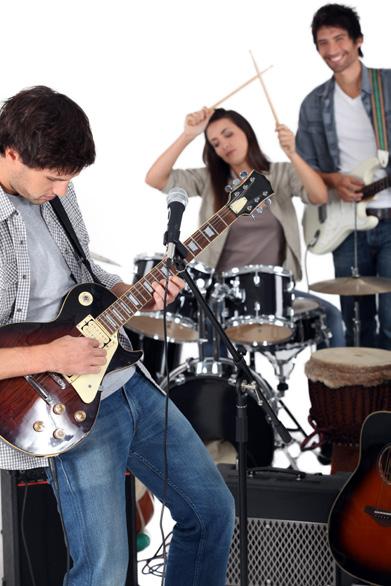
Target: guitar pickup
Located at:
point(90, 328)
point(322, 213)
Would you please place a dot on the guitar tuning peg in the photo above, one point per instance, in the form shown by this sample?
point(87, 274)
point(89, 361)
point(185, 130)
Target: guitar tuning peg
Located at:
point(259, 210)
point(252, 216)
point(268, 201)
point(228, 188)
point(243, 174)
point(236, 181)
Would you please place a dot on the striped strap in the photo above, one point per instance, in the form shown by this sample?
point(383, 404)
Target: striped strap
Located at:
point(378, 114)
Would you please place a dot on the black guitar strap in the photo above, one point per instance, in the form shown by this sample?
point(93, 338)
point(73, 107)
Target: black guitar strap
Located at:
point(65, 222)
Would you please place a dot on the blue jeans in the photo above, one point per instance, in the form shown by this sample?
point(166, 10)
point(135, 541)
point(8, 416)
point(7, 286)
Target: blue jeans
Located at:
point(374, 259)
point(128, 434)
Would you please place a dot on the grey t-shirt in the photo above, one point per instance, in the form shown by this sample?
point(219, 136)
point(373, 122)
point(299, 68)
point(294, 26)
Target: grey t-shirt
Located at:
point(51, 279)
point(252, 242)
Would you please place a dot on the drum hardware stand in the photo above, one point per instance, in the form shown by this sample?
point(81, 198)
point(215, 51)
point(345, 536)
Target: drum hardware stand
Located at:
point(278, 404)
point(244, 375)
point(282, 369)
point(355, 273)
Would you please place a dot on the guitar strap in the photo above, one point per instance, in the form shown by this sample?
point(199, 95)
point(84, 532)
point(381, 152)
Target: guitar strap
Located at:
point(379, 116)
point(65, 222)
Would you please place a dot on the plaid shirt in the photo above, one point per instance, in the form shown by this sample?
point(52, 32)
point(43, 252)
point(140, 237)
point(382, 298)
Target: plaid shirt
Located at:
point(316, 138)
point(15, 281)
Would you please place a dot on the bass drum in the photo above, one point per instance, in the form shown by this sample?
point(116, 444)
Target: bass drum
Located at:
point(208, 400)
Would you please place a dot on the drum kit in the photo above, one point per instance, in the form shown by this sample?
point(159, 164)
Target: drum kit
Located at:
point(258, 310)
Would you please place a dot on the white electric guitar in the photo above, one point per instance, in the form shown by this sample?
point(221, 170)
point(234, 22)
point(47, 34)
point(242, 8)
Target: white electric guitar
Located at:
point(326, 226)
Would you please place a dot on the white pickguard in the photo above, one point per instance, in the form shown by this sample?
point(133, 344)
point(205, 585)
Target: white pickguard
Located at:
point(321, 237)
point(87, 385)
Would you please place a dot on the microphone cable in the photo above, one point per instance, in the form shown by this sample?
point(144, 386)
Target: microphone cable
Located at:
point(152, 565)
point(165, 433)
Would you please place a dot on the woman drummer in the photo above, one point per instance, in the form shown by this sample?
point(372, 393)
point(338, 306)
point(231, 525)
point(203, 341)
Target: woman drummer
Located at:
point(272, 238)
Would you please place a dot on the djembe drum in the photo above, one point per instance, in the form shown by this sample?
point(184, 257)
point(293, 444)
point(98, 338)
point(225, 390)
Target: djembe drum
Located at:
point(345, 385)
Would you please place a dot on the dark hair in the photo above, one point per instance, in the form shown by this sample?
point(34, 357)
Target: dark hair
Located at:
point(340, 16)
point(220, 171)
point(47, 129)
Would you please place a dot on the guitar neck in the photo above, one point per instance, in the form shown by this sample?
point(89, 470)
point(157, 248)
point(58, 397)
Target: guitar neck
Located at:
point(140, 294)
point(372, 188)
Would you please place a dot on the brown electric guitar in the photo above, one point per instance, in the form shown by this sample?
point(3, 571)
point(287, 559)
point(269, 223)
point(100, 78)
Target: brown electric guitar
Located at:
point(46, 414)
point(360, 520)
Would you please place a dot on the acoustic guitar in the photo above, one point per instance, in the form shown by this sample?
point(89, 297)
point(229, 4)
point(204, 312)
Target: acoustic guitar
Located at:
point(360, 520)
point(48, 413)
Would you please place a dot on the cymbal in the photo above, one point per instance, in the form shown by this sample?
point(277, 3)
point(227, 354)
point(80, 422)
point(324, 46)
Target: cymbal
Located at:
point(353, 286)
point(101, 258)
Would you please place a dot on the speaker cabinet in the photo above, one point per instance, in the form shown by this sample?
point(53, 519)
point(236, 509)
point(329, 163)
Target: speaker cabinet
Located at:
point(33, 540)
point(287, 529)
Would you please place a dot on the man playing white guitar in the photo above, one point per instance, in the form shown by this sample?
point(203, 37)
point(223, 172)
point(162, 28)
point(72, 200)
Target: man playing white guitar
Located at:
point(336, 134)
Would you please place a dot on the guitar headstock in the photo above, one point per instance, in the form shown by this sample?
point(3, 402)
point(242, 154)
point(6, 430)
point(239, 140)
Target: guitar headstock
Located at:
point(252, 192)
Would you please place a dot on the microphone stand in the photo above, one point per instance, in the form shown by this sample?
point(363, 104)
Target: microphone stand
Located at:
point(245, 382)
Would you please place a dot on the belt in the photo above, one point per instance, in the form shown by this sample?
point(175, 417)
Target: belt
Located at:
point(381, 213)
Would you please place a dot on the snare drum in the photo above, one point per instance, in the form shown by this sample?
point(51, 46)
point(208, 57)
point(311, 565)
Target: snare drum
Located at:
point(205, 393)
point(182, 314)
point(346, 385)
point(258, 304)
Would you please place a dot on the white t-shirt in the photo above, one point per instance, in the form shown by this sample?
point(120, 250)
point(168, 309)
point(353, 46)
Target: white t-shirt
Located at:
point(356, 140)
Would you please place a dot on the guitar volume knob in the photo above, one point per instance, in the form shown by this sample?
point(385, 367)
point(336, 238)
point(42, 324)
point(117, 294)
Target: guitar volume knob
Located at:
point(59, 408)
point(59, 433)
point(38, 426)
point(80, 416)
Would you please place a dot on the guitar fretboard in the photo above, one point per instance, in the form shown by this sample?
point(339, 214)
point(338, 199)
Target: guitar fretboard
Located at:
point(140, 294)
point(376, 186)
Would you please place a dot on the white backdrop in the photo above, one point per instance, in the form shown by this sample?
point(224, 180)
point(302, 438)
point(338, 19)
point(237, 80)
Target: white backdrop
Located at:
point(138, 67)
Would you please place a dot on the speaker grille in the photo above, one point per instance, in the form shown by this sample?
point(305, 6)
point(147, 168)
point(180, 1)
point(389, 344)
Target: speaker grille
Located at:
point(284, 553)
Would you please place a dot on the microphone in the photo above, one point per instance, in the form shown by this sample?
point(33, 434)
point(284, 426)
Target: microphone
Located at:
point(177, 199)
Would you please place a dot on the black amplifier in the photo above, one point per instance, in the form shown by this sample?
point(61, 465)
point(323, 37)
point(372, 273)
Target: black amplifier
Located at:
point(287, 528)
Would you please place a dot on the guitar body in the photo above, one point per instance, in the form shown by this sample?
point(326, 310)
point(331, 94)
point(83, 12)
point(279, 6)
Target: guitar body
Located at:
point(360, 520)
point(34, 408)
point(325, 227)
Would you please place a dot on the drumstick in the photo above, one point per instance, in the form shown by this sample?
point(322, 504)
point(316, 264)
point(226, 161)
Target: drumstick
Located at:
point(259, 75)
point(239, 88)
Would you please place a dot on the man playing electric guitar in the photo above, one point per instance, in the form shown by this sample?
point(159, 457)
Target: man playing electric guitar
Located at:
point(336, 133)
point(45, 141)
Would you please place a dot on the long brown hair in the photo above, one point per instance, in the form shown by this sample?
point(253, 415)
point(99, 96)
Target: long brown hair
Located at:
point(220, 171)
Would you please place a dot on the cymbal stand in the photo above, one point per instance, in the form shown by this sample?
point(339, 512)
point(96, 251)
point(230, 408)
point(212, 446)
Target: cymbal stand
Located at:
point(244, 383)
point(355, 273)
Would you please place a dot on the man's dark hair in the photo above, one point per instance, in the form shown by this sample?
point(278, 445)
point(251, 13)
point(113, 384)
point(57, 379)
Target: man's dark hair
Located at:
point(220, 171)
point(339, 16)
point(48, 130)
